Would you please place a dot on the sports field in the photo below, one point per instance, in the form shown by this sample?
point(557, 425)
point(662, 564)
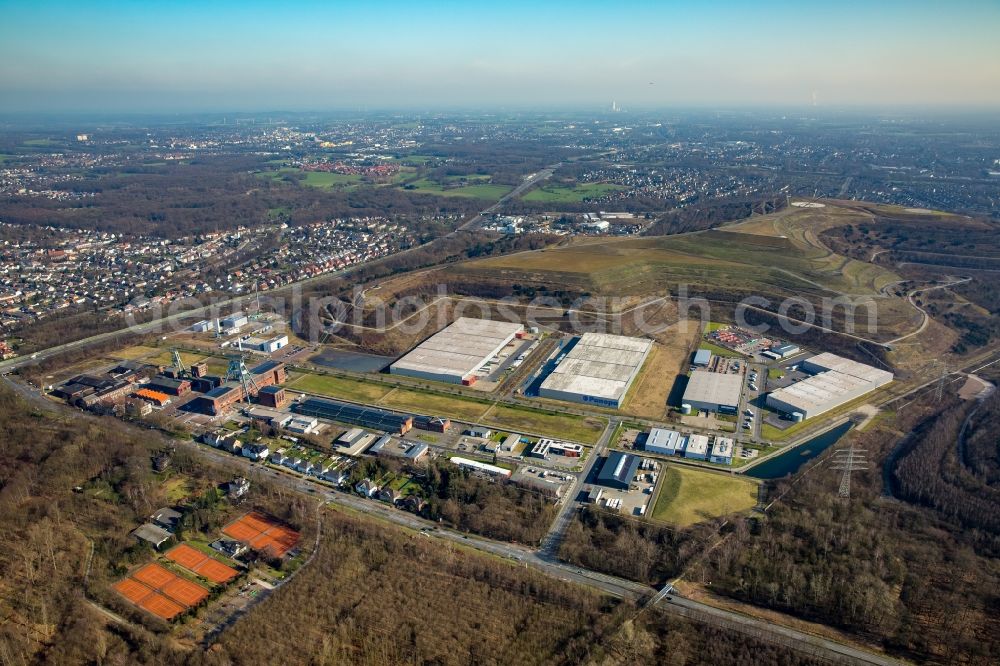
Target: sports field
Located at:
point(687, 496)
point(161, 592)
point(571, 194)
point(262, 533)
point(198, 562)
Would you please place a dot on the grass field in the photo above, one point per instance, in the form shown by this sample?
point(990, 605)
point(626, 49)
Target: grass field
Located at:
point(132, 353)
point(339, 387)
point(777, 256)
point(553, 424)
point(651, 389)
point(689, 496)
point(435, 404)
point(574, 194)
point(320, 179)
point(166, 358)
point(718, 350)
point(485, 191)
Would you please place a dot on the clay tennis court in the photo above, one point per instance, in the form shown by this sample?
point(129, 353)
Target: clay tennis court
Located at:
point(201, 564)
point(132, 590)
point(186, 556)
point(159, 605)
point(216, 571)
point(144, 597)
point(262, 533)
point(240, 531)
point(185, 592)
point(153, 575)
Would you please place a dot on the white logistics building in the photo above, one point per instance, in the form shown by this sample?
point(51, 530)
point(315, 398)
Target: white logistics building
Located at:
point(599, 370)
point(722, 451)
point(664, 441)
point(835, 381)
point(456, 352)
point(697, 447)
point(714, 391)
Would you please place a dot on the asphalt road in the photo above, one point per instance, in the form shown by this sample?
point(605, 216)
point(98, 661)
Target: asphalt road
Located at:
point(528, 182)
point(550, 544)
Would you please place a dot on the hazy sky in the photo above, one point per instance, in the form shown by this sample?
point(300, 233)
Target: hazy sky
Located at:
point(217, 55)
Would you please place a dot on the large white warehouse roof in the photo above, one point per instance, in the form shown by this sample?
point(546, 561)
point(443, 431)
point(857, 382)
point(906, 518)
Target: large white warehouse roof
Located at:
point(838, 380)
point(599, 368)
point(458, 350)
point(710, 390)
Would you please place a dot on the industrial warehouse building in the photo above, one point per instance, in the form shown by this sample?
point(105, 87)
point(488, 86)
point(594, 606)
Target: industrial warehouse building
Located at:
point(666, 442)
point(598, 370)
point(357, 415)
point(696, 447)
point(714, 391)
point(618, 470)
point(722, 451)
point(456, 352)
point(835, 381)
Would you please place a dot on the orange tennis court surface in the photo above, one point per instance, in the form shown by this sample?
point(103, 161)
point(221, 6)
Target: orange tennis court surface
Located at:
point(184, 591)
point(216, 571)
point(201, 564)
point(160, 592)
point(153, 575)
point(132, 590)
point(262, 533)
point(157, 604)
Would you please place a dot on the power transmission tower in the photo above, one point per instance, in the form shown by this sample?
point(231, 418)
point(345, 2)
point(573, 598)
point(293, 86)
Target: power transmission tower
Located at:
point(939, 391)
point(237, 372)
point(849, 460)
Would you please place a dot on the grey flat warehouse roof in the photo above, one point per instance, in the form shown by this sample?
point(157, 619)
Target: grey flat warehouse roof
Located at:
point(459, 349)
point(715, 388)
point(599, 365)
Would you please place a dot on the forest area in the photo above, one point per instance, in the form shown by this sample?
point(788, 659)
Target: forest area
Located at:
point(429, 602)
point(636, 549)
point(374, 594)
point(72, 488)
point(210, 194)
point(457, 498)
point(918, 574)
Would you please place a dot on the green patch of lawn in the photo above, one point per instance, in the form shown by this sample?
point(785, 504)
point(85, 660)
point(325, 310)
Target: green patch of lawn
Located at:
point(775, 373)
point(453, 406)
point(177, 489)
point(321, 179)
point(553, 424)
point(719, 350)
point(571, 194)
point(340, 387)
point(688, 496)
point(714, 326)
point(485, 191)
